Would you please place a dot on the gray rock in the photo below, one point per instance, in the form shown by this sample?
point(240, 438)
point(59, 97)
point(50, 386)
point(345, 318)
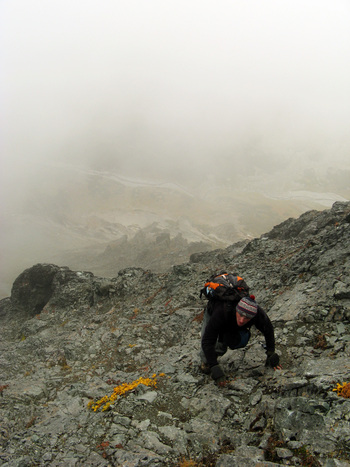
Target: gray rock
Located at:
point(284, 453)
point(148, 396)
point(341, 290)
point(177, 437)
point(230, 460)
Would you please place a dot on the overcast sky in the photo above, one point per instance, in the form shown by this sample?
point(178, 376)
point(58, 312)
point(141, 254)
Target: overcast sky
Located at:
point(135, 82)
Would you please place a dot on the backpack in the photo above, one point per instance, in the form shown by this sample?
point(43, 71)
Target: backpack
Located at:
point(226, 287)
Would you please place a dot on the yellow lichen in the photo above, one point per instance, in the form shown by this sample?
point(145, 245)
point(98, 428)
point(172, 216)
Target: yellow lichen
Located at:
point(106, 407)
point(106, 401)
point(343, 390)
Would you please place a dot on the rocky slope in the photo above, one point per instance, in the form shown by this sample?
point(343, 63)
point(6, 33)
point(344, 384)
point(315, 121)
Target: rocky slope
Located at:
point(100, 372)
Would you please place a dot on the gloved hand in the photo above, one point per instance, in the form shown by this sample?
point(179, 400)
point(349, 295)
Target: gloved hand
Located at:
point(272, 360)
point(217, 374)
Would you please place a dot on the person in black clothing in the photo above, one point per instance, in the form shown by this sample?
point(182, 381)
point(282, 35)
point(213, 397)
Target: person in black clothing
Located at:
point(229, 325)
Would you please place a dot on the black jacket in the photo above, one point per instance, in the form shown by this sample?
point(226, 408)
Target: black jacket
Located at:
point(223, 326)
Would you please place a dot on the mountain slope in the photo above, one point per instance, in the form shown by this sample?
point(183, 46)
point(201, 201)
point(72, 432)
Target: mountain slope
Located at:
point(69, 338)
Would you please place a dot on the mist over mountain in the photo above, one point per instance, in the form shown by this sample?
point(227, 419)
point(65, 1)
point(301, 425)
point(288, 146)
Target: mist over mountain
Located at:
point(102, 221)
point(129, 120)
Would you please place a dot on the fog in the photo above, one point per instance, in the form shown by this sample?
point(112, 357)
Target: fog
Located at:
point(171, 90)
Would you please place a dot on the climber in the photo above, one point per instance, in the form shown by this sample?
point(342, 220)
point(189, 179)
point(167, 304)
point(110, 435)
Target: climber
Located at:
point(228, 325)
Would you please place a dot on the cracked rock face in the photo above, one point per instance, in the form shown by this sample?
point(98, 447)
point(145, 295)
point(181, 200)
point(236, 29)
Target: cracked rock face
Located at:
point(70, 341)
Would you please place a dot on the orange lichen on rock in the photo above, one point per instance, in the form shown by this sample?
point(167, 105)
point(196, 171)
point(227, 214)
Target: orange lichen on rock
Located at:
point(343, 390)
point(120, 390)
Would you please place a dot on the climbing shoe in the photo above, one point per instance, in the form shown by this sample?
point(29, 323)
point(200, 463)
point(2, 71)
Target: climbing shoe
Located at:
point(205, 368)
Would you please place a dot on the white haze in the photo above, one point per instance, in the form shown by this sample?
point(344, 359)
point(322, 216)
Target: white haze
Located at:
point(172, 90)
